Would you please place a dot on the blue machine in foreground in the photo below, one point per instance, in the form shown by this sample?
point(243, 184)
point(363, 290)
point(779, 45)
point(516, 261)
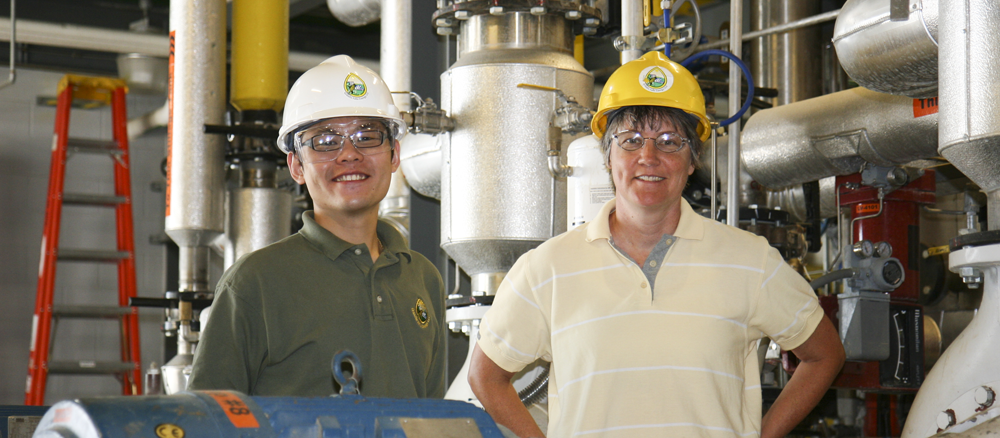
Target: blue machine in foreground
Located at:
point(230, 414)
point(215, 414)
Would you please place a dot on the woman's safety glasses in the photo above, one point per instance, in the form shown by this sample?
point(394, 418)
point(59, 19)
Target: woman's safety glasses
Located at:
point(668, 142)
point(323, 144)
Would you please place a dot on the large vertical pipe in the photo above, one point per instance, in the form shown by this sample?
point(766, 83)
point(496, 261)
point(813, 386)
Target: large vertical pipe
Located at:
point(396, 67)
point(788, 61)
point(736, 48)
point(259, 213)
point(260, 54)
point(969, 111)
point(631, 28)
point(195, 165)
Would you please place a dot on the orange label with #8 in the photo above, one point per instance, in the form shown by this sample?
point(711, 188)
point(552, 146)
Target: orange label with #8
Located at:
point(237, 411)
point(925, 107)
point(867, 208)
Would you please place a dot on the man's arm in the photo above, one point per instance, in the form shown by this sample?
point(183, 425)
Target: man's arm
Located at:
point(228, 341)
point(492, 387)
point(821, 356)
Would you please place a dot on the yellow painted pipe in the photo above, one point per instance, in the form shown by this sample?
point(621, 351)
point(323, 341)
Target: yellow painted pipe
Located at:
point(578, 49)
point(259, 76)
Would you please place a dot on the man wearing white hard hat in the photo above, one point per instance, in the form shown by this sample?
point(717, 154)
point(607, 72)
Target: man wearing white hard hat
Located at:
point(346, 280)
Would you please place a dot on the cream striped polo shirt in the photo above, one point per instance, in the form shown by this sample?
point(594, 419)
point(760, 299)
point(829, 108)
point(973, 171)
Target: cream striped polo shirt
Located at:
point(629, 363)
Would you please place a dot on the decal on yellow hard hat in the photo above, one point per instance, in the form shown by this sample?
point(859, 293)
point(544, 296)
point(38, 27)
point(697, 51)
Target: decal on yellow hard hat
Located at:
point(420, 313)
point(355, 87)
point(656, 79)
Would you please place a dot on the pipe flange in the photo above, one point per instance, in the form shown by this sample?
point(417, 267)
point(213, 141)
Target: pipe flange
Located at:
point(974, 239)
point(450, 16)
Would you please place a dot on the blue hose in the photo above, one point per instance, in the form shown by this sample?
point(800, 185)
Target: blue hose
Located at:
point(666, 25)
point(746, 73)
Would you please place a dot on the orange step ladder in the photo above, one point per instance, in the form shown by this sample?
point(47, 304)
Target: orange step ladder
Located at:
point(101, 91)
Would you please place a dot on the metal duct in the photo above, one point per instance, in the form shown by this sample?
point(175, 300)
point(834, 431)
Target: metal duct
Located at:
point(498, 199)
point(895, 57)
point(835, 134)
point(969, 61)
point(396, 63)
point(789, 61)
point(197, 91)
point(258, 216)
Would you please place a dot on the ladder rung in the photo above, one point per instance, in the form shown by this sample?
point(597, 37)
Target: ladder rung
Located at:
point(69, 311)
point(93, 146)
point(91, 255)
point(89, 367)
point(96, 200)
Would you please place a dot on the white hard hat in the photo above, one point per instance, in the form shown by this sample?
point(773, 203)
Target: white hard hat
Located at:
point(337, 87)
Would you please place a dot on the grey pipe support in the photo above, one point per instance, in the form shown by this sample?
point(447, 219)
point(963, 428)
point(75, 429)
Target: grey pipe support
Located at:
point(969, 107)
point(806, 22)
point(736, 48)
point(895, 57)
point(631, 29)
point(835, 134)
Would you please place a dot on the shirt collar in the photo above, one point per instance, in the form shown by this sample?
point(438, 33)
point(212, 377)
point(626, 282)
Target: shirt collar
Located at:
point(333, 246)
point(690, 226)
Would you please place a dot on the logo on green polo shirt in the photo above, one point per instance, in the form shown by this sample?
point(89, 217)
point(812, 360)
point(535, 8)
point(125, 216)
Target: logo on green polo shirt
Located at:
point(420, 313)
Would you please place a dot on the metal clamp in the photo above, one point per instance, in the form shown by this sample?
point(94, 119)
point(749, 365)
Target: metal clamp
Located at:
point(349, 385)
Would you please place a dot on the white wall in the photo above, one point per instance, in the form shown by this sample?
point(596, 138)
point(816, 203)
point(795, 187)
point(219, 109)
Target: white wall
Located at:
point(25, 140)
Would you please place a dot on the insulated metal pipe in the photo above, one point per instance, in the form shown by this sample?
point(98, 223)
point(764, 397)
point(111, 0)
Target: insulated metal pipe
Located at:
point(736, 48)
point(196, 95)
point(396, 67)
point(835, 134)
point(259, 54)
point(969, 65)
point(631, 29)
point(895, 57)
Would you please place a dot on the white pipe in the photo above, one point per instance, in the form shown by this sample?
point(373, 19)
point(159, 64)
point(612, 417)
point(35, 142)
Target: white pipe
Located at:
point(396, 61)
point(153, 119)
point(736, 48)
point(120, 41)
point(631, 28)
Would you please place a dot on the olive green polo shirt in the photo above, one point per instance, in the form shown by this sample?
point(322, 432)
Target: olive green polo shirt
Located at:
point(281, 313)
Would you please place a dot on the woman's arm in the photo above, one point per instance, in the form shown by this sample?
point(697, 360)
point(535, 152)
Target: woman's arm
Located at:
point(492, 387)
point(821, 357)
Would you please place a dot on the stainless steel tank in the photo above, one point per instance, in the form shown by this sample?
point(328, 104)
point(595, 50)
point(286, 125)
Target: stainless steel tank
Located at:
point(788, 61)
point(498, 199)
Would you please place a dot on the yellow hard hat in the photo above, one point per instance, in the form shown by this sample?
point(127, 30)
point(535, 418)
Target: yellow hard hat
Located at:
point(652, 80)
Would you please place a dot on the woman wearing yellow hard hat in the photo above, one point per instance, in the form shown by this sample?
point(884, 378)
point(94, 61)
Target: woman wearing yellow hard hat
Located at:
point(651, 314)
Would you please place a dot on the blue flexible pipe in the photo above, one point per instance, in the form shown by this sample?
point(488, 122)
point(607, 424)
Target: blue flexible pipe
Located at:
point(666, 25)
point(746, 73)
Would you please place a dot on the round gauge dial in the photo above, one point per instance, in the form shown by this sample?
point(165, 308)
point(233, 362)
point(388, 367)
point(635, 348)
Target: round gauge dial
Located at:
point(864, 249)
point(883, 249)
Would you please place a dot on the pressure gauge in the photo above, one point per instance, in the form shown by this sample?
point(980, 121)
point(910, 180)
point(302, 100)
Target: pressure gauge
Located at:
point(883, 249)
point(864, 249)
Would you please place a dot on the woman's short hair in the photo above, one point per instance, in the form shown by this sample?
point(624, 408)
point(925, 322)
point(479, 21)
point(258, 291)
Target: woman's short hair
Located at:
point(645, 117)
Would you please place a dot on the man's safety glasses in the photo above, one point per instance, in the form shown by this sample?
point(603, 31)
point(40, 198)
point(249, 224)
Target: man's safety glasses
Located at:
point(321, 145)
